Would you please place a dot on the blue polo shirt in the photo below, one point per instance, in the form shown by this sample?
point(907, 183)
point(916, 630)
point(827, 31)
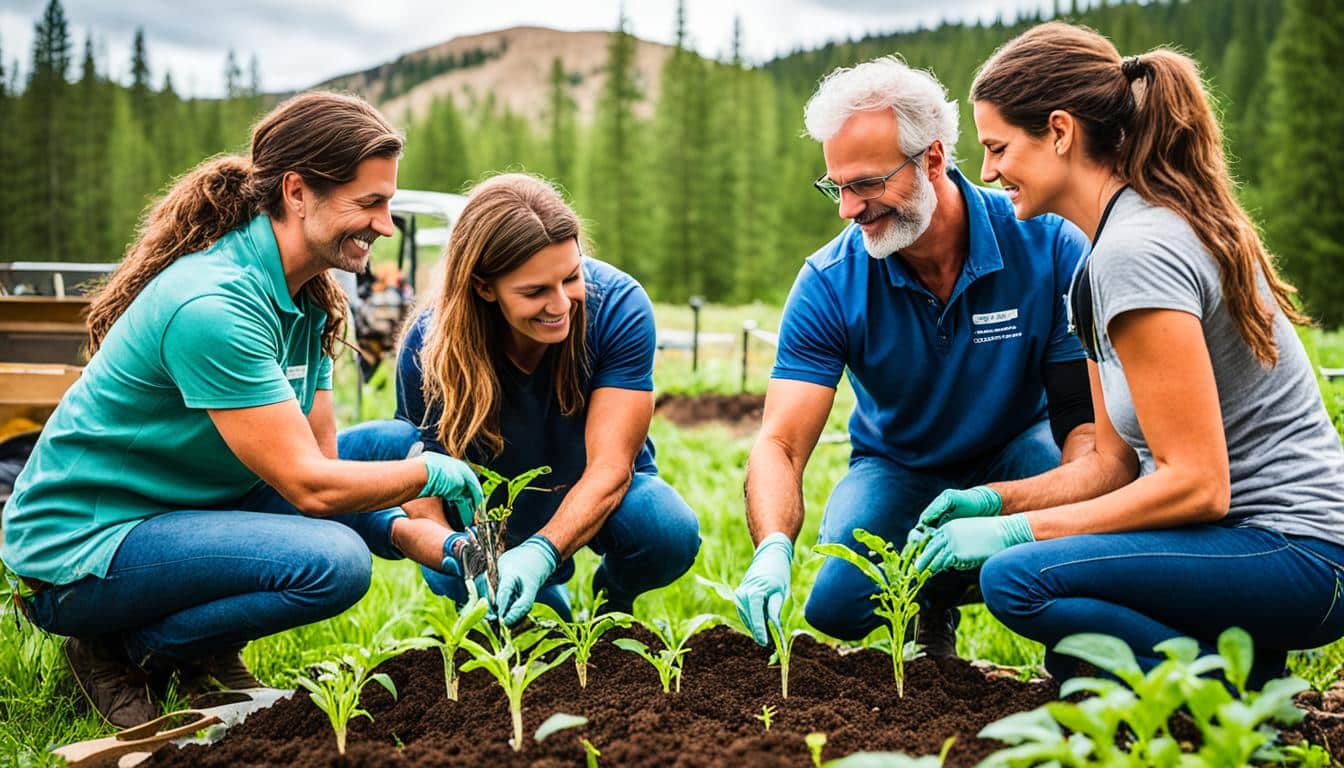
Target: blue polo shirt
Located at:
point(620, 341)
point(938, 385)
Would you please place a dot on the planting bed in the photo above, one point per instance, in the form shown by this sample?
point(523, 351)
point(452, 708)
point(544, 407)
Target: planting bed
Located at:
point(742, 410)
point(851, 697)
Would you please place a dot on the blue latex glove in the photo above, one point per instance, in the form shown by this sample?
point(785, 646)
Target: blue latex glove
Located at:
point(453, 481)
point(954, 504)
point(765, 585)
point(522, 571)
point(967, 543)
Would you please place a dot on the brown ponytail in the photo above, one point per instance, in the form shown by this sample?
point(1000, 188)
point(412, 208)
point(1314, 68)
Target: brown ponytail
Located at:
point(319, 135)
point(1147, 118)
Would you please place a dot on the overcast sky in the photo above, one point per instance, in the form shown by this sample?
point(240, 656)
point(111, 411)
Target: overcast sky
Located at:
point(301, 42)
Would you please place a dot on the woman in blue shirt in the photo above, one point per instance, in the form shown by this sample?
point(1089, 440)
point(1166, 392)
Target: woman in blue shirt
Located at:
point(532, 354)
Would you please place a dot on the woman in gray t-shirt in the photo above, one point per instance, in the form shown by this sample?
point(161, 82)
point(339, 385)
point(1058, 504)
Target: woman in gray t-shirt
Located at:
point(1217, 479)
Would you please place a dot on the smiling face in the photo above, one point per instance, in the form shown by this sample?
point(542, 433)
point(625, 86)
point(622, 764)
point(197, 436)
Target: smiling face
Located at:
point(539, 298)
point(868, 145)
point(340, 226)
point(1030, 169)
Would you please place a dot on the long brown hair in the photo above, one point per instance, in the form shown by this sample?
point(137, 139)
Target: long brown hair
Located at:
point(1146, 117)
point(506, 221)
point(319, 135)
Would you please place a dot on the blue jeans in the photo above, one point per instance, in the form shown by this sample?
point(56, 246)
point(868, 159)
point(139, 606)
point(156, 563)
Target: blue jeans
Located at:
point(1149, 586)
point(647, 542)
point(886, 499)
point(186, 584)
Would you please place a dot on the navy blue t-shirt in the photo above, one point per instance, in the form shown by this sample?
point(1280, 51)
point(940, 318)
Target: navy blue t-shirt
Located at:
point(938, 385)
point(620, 344)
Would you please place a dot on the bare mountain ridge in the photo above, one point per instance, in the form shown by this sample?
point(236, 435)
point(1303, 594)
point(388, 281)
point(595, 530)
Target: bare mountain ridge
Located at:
point(512, 65)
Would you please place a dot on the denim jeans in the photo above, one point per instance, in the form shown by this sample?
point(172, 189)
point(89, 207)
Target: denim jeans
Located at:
point(1149, 586)
point(189, 583)
point(886, 499)
point(647, 542)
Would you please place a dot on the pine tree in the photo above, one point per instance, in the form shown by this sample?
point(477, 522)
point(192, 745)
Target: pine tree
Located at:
point(140, 85)
point(617, 189)
point(88, 221)
point(9, 236)
point(562, 142)
point(1305, 202)
point(46, 142)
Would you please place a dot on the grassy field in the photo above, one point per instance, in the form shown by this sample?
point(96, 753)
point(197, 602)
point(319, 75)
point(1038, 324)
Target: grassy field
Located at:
point(39, 705)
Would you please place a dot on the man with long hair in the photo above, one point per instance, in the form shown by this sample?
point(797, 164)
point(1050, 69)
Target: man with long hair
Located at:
point(165, 517)
point(947, 314)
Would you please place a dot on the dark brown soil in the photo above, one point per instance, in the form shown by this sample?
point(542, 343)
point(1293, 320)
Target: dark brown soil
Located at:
point(851, 697)
point(740, 411)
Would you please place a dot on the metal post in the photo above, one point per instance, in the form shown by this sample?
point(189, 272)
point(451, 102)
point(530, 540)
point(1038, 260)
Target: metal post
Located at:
point(696, 303)
point(747, 327)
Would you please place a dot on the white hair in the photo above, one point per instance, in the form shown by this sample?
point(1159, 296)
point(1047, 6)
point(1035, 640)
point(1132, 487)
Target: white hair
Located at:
point(918, 100)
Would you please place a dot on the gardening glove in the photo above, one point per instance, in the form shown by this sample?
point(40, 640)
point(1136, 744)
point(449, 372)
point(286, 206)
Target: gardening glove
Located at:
point(967, 543)
point(955, 504)
point(763, 589)
point(522, 572)
point(455, 482)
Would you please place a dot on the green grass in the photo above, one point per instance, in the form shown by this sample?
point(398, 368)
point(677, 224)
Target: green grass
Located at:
point(40, 706)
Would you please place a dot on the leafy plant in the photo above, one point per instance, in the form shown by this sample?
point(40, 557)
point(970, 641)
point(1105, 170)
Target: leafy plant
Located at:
point(767, 716)
point(898, 583)
point(816, 741)
point(492, 523)
point(559, 722)
point(450, 628)
point(515, 661)
point(1126, 723)
point(338, 684)
point(892, 759)
point(584, 632)
point(792, 625)
point(673, 635)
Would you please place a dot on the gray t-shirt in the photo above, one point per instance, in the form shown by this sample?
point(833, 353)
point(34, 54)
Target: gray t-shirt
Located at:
point(1286, 462)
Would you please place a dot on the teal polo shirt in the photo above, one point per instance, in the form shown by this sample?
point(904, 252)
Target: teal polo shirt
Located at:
point(938, 385)
point(132, 439)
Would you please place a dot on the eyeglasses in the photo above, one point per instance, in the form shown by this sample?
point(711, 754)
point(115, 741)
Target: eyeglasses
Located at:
point(865, 189)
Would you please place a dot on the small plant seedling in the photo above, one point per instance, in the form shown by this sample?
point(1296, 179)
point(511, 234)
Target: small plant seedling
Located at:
point(767, 716)
point(816, 741)
point(1126, 723)
point(792, 626)
point(590, 753)
point(337, 686)
point(492, 523)
point(451, 627)
point(515, 661)
point(668, 661)
point(584, 632)
point(559, 722)
point(898, 583)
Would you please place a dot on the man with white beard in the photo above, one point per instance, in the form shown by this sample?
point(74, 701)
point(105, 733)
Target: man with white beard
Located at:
point(948, 315)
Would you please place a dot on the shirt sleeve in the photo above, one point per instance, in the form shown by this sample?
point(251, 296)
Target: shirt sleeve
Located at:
point(220, 354)
point(410, 388)
point(323, 372)
point(1141, 272)
point(1071, 247)
point(812, 337)
point(626, 340)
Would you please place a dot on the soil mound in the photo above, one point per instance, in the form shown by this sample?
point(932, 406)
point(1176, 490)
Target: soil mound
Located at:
point(740, 411)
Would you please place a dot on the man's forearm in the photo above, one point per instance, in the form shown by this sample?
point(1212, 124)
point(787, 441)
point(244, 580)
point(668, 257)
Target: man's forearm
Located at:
point(586, 507)
point(1086, 476)
point(774, 492)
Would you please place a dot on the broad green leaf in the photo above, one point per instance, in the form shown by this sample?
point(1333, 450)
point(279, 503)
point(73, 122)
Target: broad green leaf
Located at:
point(1097, 685)
point(868, 567)
point(519, 483)
point(1034, 725)
point(1182, 649)
point(1235, 645)
point(385, 681)
point(882, 760)
point(631, 644)
point(1104, 652)
point(559, 722)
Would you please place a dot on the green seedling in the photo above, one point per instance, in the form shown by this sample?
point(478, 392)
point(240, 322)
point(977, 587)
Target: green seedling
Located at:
point(898, 583)
point(1126, 723)
point(559, 722)
point(767, 716)
point(668, 661)
point(515, 661)
point(584, 632)
point(891, 759)
point(337, 686)
point(449, 628)
point(816, 741)
point(492, 523)
point(791, 627)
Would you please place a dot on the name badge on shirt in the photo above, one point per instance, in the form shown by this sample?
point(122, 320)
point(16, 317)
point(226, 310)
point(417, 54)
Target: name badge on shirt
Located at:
point(296, 372)
point(990, 318)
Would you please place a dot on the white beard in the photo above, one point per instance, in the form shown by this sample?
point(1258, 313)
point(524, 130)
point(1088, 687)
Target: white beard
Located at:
point(905, 224)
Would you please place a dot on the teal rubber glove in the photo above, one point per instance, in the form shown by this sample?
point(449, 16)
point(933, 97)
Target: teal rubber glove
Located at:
point(967, 543)
point(761, 594)
point(955, 504)
point(522, 572)
point(453, 481)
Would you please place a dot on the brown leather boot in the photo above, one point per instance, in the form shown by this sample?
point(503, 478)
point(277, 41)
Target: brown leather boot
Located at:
point(224, 670)
point(117, 689)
